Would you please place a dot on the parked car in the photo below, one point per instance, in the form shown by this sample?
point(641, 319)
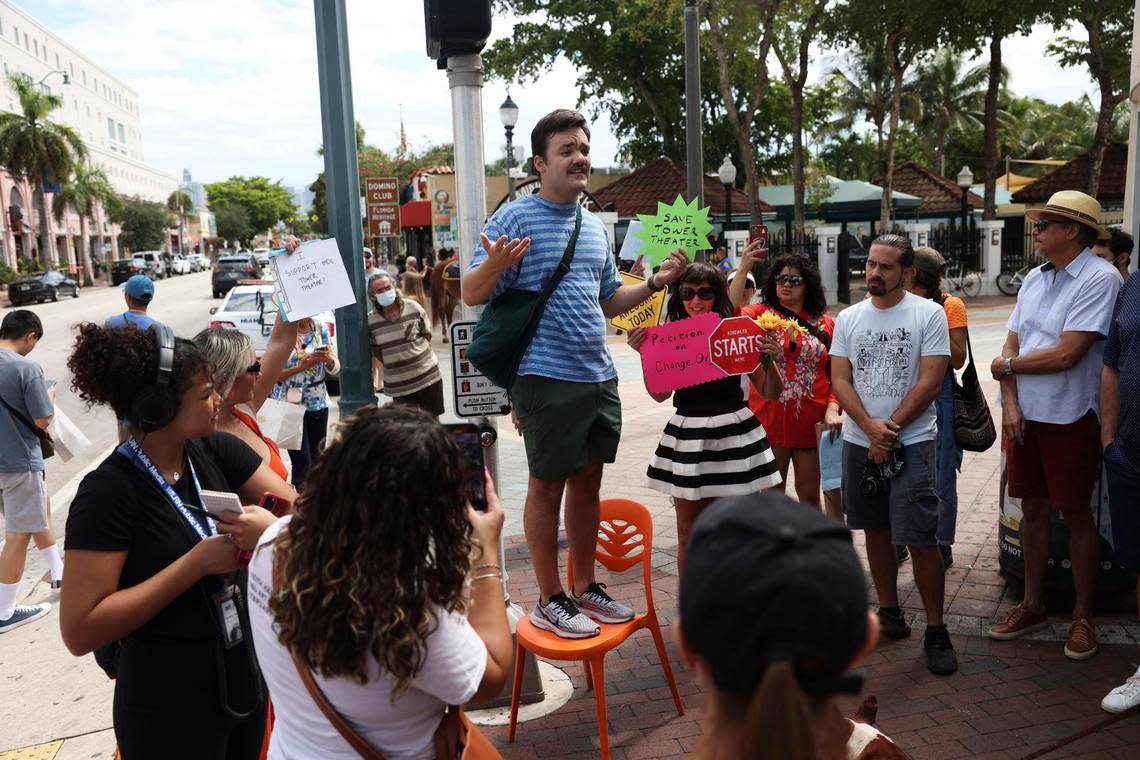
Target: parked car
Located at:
point(262, 256)
point(180, 264)
point(198, 262)
point(229, 270)
point(124, 269)
point(157, 263)
point(249, 307)
point(41, 286)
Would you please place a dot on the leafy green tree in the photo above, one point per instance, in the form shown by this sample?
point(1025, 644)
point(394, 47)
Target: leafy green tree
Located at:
point(1107, 54)
point(87, 187)
point(953, 99)
point(266, 202)
point(318, 219)
point(791, 44)
point(234, 223)
point(629, 55)
point(180, 204)
point(34, 146)
point(143, 224)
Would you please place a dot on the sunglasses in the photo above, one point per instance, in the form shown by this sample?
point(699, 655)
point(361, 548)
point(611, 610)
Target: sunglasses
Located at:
point(1041, 224)
point(791, 280)
point(688, 294)
point(254, 368)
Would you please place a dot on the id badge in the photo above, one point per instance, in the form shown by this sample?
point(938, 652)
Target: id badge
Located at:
point(227, 608)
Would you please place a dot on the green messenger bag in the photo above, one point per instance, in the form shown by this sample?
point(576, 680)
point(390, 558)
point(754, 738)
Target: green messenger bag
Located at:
point(509, 322)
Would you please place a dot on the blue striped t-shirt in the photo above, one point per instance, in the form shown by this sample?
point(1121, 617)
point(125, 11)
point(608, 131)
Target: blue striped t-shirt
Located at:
point(570, 343)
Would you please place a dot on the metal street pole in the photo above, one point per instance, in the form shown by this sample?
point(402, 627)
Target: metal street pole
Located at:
point(510, 164)
point(342, 185)
point(694, 149)
point(465, 78)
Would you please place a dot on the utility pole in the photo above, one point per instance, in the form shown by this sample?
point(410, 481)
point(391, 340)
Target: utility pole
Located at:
point(694, 149)
point(342, 183)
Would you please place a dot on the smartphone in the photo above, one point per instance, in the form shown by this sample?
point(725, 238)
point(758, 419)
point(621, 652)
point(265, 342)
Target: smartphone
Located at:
point(759, 232)
point(471, 462)
point(275, 504)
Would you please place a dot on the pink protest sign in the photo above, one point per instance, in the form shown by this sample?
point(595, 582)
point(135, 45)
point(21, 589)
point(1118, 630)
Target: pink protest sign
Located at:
point(676, 354)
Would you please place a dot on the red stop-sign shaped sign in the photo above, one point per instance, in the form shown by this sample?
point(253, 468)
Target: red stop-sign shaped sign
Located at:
point(734, 346)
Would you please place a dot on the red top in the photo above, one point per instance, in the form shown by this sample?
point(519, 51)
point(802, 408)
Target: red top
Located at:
point(790, 420)
point(275, 462)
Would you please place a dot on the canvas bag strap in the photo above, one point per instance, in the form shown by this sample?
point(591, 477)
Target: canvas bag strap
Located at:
point(355, 740)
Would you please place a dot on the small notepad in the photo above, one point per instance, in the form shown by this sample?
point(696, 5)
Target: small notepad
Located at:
point(216, 502)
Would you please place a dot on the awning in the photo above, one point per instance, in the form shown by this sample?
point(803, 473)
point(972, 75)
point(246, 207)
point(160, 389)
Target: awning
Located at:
point(415, 214)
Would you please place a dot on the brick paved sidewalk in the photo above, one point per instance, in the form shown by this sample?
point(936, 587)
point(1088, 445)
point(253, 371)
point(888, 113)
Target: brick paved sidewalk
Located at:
point(1008, 700)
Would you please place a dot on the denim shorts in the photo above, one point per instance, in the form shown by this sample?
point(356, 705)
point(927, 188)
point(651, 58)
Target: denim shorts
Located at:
point(909, 505)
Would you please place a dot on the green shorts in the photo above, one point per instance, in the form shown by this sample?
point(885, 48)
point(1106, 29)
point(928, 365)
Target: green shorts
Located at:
point(567, 426)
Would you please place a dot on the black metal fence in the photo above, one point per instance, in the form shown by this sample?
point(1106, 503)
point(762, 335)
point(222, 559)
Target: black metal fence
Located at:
point(781, 244)
point(956, 243)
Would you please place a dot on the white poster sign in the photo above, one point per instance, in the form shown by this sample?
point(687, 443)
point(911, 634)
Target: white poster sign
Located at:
point(312, 279)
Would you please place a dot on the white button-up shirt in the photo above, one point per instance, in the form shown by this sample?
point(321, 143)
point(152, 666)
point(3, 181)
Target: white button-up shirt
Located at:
point(1078, 298)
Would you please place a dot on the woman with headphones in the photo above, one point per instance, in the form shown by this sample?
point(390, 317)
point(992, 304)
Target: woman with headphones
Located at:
point(151, 576)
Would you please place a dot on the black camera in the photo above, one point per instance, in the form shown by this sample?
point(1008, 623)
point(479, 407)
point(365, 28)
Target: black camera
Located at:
point(876, 476)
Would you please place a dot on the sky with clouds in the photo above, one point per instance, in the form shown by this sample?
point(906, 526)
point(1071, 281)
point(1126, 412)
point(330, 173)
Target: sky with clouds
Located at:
point(230, 86)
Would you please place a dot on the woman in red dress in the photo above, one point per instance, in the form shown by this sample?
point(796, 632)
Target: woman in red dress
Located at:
point(794, 291)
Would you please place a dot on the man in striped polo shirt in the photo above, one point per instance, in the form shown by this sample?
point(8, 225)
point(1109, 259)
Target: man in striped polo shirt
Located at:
point(566, 394)
point(401, 341)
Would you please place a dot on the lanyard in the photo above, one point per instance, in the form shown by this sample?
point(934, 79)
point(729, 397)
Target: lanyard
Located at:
point(132, 451)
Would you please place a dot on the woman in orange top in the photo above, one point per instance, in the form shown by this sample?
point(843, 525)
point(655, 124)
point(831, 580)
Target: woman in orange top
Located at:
point(794, 291)
point(928, 266)
point(245, 380)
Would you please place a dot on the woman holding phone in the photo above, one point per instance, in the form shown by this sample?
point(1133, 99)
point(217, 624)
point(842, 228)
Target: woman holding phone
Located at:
point(151, 577)
point(384, 586)
point(303, 380)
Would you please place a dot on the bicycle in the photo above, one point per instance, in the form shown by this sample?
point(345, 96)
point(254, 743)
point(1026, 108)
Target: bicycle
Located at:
point(1010, 283)
point(960, 280)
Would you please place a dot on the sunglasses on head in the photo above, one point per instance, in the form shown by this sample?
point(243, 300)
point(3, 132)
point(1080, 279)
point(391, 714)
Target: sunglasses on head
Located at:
point(254, 368)
point(790, 280)
point(688, 294)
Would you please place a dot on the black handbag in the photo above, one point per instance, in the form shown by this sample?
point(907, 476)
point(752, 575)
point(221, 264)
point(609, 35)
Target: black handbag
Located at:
point(973, 424)
point(509, 322)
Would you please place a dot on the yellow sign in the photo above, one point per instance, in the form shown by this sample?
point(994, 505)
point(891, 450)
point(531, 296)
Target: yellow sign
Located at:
point(645, 314)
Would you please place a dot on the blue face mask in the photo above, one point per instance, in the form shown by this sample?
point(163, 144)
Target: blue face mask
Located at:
point(387, 298)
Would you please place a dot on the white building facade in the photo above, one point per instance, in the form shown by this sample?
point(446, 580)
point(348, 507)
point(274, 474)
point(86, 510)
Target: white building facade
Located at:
point(102, 109)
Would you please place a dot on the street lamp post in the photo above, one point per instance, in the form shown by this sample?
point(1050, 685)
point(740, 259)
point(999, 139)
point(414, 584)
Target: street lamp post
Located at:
point(965, 181)
point(66, 77)
point(509, 115)
point(727, 174)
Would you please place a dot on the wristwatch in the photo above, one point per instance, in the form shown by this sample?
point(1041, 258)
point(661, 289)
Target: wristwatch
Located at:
point(651, 283)
point(1009, 365)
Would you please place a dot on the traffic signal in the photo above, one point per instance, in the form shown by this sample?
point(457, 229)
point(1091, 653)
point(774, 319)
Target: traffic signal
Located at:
point(456, 27)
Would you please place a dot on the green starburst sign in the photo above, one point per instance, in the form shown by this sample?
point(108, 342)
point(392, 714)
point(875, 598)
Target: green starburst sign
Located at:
point(679, 225)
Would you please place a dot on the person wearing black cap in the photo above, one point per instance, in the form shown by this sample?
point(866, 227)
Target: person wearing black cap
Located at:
point(773, 615)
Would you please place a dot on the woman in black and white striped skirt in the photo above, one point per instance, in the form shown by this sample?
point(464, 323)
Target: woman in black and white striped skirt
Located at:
point(713, 446)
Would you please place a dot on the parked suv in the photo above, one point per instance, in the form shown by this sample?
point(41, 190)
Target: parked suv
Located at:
point(124, 269)
point(155, 262)
point(229, 270)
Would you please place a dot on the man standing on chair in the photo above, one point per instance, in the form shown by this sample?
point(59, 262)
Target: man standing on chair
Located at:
point(1049, 370)
point(566, 393)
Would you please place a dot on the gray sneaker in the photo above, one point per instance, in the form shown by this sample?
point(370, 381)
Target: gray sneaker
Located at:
point(561, 616)
point(599, 605)
point(25, 613)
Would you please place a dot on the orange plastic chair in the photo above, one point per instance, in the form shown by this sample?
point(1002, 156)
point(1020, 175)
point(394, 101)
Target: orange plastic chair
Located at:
point(624, 527)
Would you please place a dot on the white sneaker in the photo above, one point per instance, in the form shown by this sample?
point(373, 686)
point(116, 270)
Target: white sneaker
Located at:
point(1123, 697)
point(561, 616)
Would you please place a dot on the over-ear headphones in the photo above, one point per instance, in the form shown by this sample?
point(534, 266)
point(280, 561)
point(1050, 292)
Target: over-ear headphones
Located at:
point(156, 406)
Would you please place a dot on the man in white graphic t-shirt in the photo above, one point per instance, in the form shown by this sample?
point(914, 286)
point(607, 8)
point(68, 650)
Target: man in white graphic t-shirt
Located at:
point(888, 358)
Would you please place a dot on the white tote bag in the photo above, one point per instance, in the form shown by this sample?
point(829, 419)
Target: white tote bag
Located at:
point(67, 437)
point(282, 421)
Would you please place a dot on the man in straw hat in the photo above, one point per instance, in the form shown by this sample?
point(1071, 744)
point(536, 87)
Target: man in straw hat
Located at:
point(1049, 371)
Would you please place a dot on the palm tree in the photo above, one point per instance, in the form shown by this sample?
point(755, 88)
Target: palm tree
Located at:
point(179, 203)
point(87, 187)
point(866, 90)
point(37, 148)
point(952, 99)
